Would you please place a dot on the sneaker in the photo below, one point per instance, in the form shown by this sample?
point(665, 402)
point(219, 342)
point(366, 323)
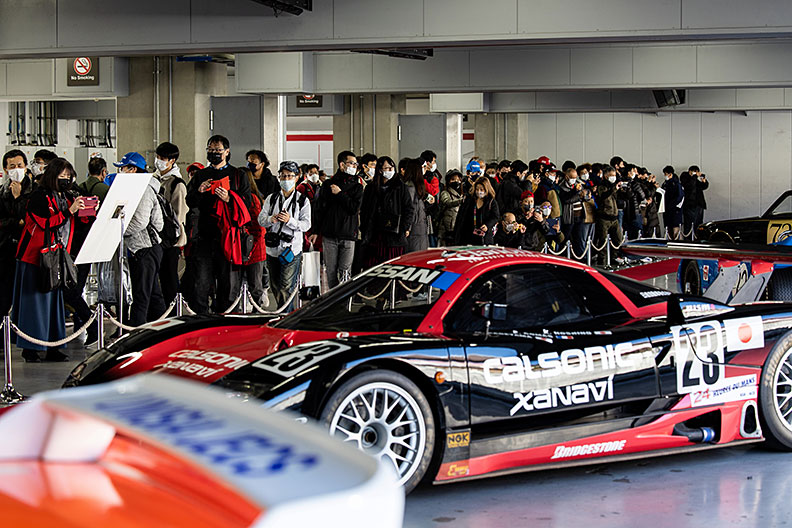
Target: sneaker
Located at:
point(30, 356)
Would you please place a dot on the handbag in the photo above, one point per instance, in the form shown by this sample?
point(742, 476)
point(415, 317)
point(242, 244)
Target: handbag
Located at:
point(247, 241)
point(311, 274)
point(49, 275)
point(68, 269)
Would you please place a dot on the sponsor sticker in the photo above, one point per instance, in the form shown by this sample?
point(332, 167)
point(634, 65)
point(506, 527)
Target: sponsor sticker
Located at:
point(578, 394)
point(461, 439)
point(406, 273)
point(290, 361)
point(744, 334)
point(736, 388)
point(653, 294)
point(202, 363)
point(458, 470)
point(563, 451)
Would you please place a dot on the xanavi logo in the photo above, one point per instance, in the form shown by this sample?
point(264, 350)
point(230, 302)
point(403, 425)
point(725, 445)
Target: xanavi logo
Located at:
point(580, 393)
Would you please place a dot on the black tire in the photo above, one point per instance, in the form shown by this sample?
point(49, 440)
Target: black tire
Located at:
point(408, 400)
point(775, 396)
point(691, 279)
point(780, 286)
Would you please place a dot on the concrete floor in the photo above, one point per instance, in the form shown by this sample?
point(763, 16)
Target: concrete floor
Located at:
point(741, 486)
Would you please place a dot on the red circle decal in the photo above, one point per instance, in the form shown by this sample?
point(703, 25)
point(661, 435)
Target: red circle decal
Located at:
point(744, 333)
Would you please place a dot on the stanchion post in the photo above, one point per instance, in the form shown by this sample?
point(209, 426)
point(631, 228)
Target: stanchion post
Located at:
point(121, 275)
point(544, 248)
point(179, 304)
point(588, 251)
point(9, 394)
point(569, 249)
point(244, 297)
point(607, 251)
point(100, 332)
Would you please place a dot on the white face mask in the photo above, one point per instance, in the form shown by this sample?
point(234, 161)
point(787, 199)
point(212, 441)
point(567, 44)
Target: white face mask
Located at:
point(161, 165)
point(287, 185)
point(388, 174)
point(16, 175)
point(37, 169)
point(572, 181)
point(509, 228)
point(480, 194)
point(546, 211)
point(313, 177)
point(612, 179)
point(584, 176)
point(351, 170)
point(433, 167)
point(369, 172)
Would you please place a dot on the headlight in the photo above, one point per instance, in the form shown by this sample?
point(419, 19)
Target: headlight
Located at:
point(241, 389)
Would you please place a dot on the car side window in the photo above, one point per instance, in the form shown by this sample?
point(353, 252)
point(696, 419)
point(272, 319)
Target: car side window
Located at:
point(535, 297)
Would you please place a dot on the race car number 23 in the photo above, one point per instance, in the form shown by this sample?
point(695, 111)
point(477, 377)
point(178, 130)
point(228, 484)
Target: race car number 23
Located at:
point(699, 355)
point(298, 358)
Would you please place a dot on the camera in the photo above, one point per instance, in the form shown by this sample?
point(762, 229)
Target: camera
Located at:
point(272, 239)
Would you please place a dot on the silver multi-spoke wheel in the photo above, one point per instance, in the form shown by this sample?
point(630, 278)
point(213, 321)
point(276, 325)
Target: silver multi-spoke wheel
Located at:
point(782, 390)
point(385, 421)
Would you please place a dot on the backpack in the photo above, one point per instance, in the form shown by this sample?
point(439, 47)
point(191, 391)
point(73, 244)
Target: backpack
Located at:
point(171, 227)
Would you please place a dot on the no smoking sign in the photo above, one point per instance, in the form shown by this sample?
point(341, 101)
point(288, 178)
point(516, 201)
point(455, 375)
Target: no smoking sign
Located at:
point(83, 71)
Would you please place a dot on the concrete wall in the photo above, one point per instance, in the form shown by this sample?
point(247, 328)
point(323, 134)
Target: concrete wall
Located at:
point(748, 158)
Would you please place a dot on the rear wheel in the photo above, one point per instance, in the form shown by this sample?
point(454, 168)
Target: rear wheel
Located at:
point(387, 416)
point(780, 286)
point(775, 396)
point(691, 279)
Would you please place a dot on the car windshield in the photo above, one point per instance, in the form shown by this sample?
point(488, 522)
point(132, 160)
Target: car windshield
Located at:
point(781, 207)
point(388, 298)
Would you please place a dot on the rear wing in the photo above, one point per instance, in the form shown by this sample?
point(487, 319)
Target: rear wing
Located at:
point(296, 473)
point(733, 284)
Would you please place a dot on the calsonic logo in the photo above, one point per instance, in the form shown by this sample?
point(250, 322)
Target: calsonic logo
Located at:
point(580, 393)
point(477, 255)
point(588, 449)
point(572, 361)
point(195, 361)
point(653, 294)
point(736, 388)
point(406, 273)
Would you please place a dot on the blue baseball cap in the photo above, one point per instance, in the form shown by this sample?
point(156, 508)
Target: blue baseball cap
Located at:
point(474, 166)
point(132, 158)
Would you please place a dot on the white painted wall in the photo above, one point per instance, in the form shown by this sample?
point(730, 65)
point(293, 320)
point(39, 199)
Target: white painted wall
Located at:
point(748, 159)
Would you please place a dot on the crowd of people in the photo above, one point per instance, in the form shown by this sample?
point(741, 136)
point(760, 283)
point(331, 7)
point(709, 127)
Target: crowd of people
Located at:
point(233, 224)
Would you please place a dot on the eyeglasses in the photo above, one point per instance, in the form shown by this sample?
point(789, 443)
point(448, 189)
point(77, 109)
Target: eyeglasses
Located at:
point(287, 175)
point(352, 163)
point(215, 151)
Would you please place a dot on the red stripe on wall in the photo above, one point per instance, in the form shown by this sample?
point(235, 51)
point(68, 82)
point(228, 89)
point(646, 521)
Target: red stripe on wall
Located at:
point(468, 135)
point(309, 137)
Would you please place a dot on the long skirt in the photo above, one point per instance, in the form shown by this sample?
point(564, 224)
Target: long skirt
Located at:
point(39, 315)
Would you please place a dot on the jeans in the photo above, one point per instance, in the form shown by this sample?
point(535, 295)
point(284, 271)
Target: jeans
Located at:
point(338, 256)
point(575, 232)
point(283, 279)
point(213, 275)
point(147, 301)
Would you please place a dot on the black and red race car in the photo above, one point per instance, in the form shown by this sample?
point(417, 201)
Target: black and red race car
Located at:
point(470, 362)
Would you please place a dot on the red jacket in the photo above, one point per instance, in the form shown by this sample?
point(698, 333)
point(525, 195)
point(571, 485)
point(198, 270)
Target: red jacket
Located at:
point(231, 217)
point(254, 228)
point(41, 206)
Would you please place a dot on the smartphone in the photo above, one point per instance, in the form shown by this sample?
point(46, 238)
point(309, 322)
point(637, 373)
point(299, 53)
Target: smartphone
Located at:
point(90, 206)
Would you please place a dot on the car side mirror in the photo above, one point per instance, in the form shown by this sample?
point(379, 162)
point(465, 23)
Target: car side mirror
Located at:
point(491, 311)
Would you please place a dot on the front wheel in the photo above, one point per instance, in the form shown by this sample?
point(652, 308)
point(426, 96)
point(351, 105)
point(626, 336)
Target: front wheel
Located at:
point(387, 416)
point(775, 396)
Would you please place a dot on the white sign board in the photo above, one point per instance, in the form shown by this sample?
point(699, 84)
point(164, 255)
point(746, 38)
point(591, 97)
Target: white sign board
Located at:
point(105, 234)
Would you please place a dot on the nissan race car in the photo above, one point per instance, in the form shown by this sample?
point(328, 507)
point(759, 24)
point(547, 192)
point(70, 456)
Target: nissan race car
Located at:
point(522, 361)
point(158, 451)
point(772, 228)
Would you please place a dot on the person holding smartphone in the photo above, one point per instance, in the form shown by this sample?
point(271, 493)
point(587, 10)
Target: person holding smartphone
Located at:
point(477, 216)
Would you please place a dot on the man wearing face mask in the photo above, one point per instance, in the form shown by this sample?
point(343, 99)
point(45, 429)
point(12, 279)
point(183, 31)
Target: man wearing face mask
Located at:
point(338, 217)
point(309, 188)
point(16, 188)
point(367, 167)
point(450, 199)
point(607, 211)
point(511, 187)
point(174, 190)
point(40, 160)
point(510, 232)
point(572, 210)
point(207, 263)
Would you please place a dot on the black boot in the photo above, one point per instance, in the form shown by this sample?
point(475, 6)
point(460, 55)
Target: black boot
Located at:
point(55, 355)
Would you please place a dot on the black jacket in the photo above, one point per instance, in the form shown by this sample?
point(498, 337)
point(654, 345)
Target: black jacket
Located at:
point(12, 215)
point(268, 183)
point(489, 214)
point(694, 191)
point(508, 194)
point(387, 210)
point(338, 214)
point(510, 240)
point(203, 229)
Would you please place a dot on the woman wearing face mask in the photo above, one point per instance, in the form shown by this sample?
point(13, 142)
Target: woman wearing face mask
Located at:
point(385, 216)
point(418, 237)
point(450, 200)
point(50, 209)
point(477, 216)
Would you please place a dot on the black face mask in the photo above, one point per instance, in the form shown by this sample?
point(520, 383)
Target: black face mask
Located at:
point(215, 158)
point(63, 185)
point(252, 166)
point(455, 185)
point(526, 208)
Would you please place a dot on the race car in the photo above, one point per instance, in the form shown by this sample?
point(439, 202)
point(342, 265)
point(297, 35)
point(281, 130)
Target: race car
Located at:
point(773, 228)
point(159, 451)
point(411, 294)
point(527, 362)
